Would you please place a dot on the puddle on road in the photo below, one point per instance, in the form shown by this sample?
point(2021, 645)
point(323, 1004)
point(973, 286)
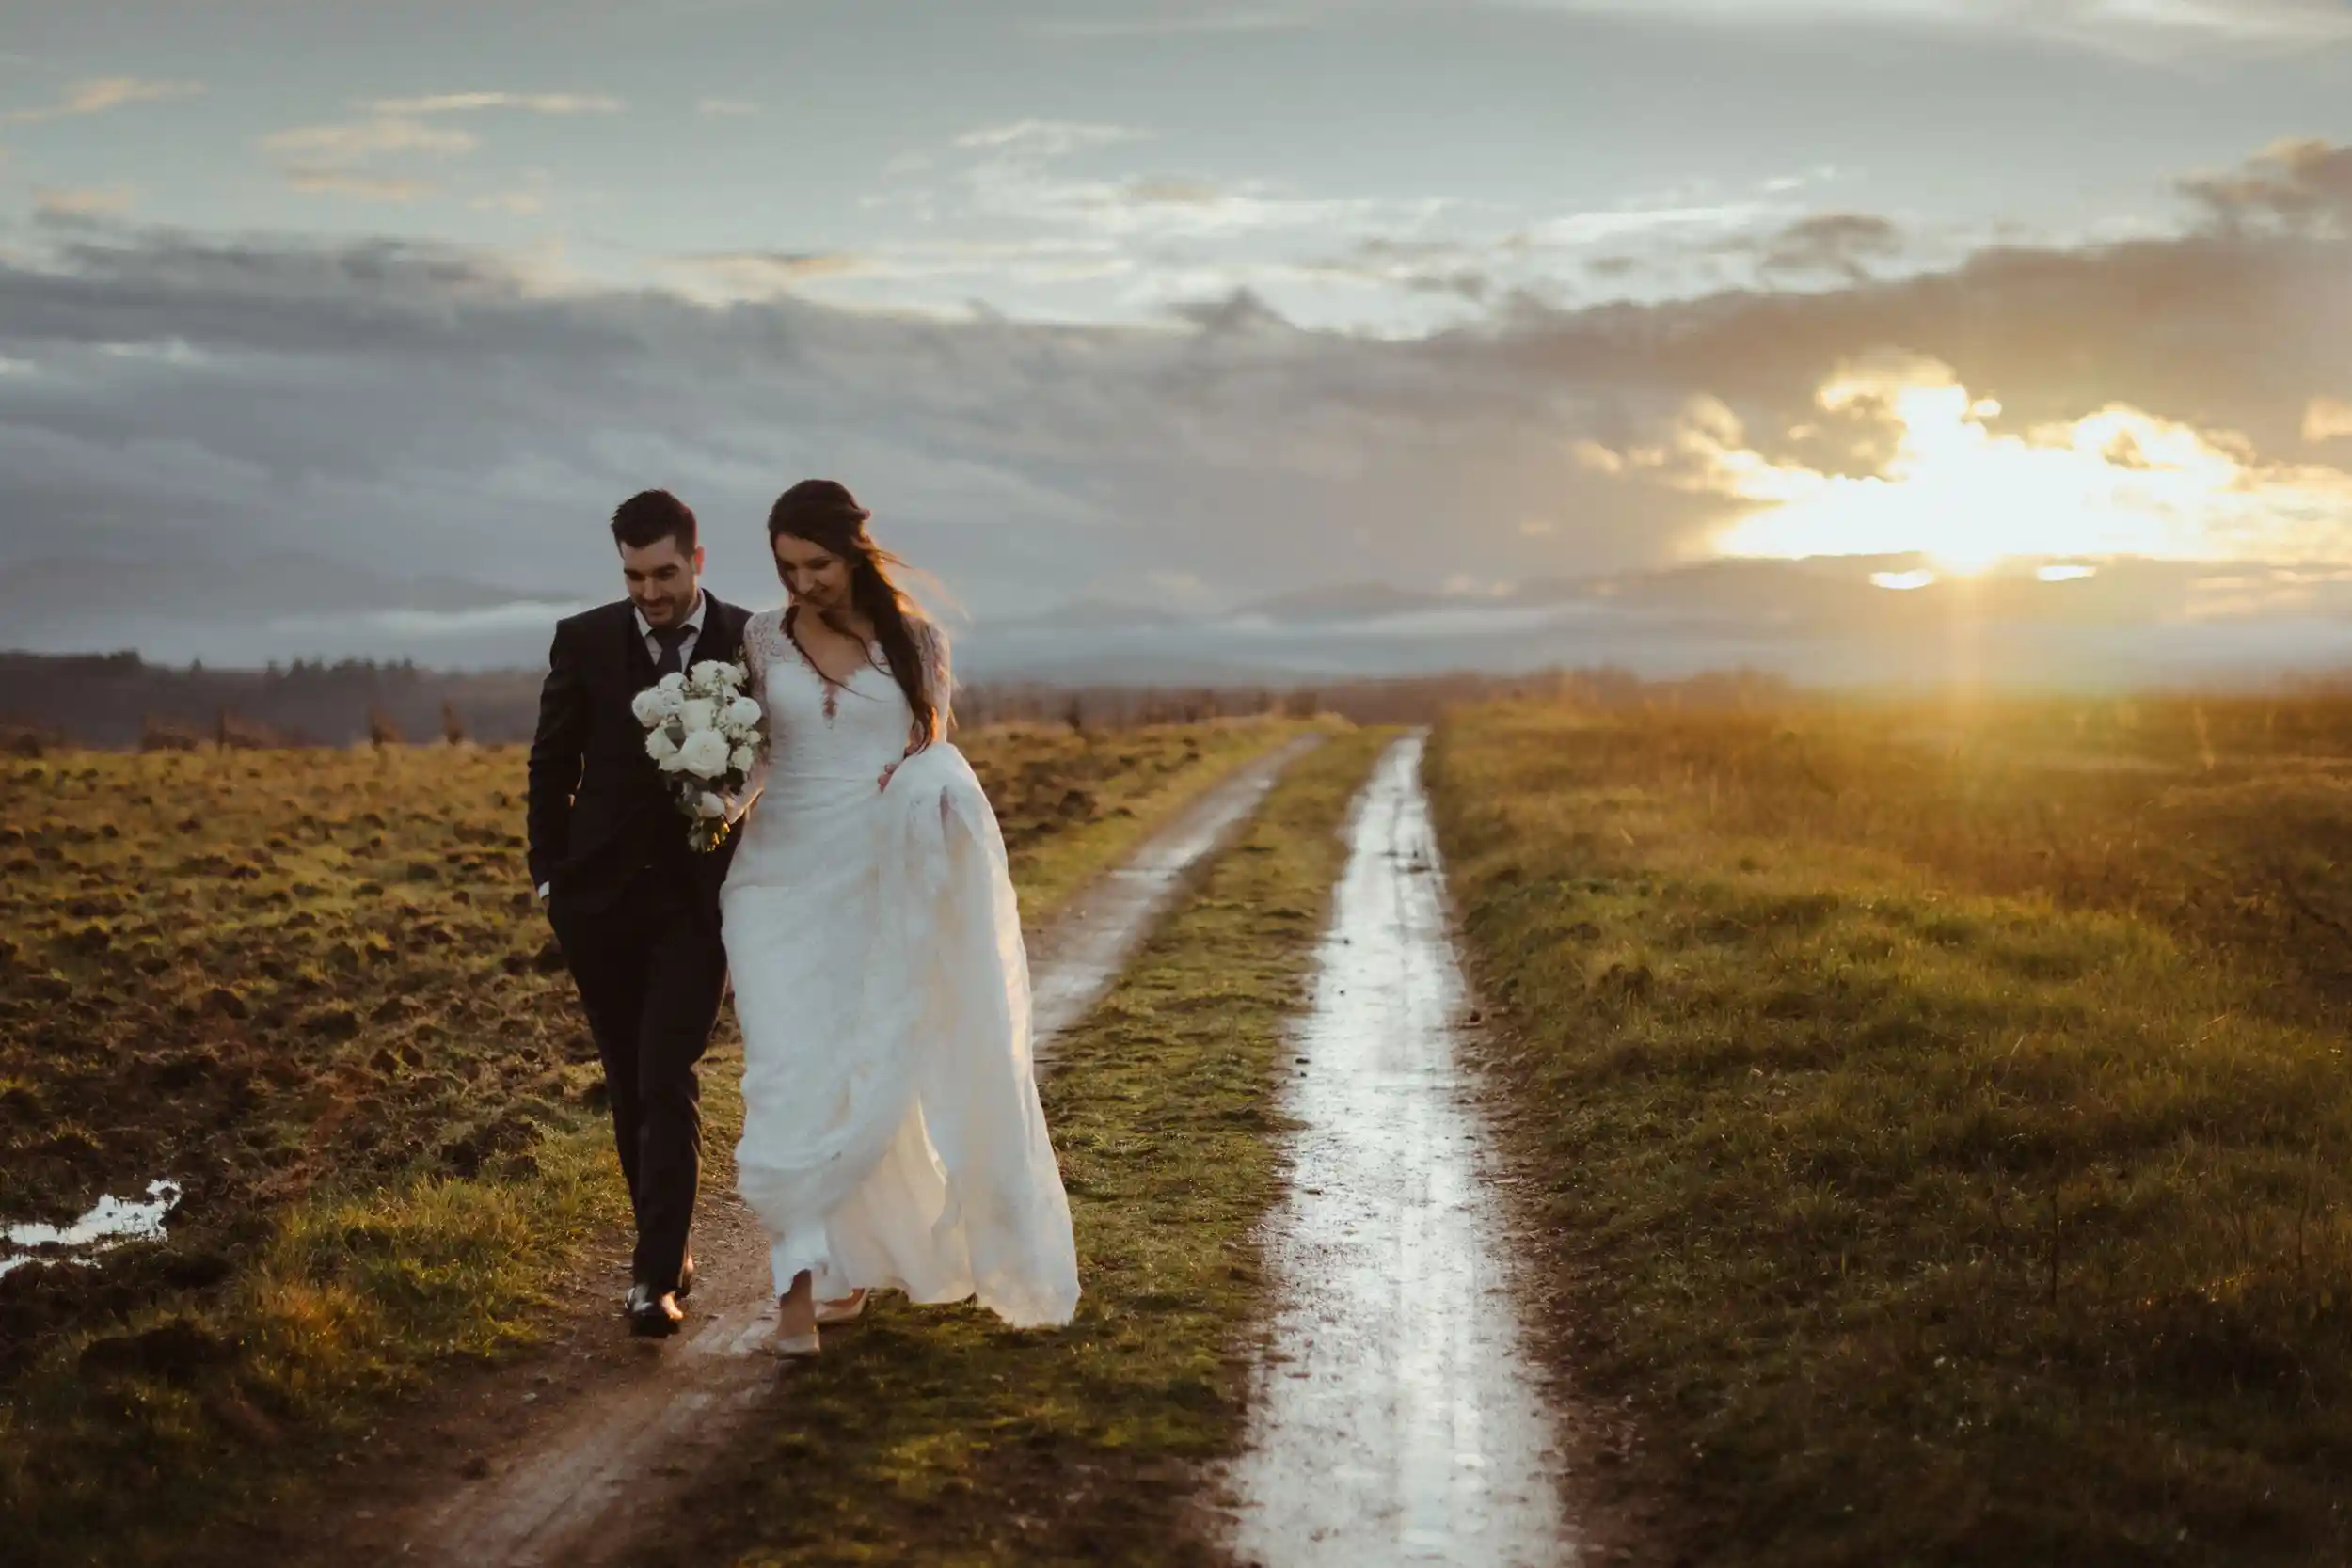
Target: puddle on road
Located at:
point(112, 1222)
point(1396, 1417)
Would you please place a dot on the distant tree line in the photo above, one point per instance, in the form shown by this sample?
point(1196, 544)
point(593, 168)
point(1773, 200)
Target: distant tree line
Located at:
point(120, 700)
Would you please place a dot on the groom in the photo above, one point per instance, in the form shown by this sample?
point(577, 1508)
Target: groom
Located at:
point(634, 909)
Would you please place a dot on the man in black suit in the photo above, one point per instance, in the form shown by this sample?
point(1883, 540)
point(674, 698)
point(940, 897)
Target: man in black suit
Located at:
point(635, 908)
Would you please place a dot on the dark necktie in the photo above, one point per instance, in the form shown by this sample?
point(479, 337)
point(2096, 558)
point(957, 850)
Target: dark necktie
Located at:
point(673, 641)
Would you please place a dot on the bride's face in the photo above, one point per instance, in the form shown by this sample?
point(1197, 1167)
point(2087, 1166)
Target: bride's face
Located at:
point(813, 575)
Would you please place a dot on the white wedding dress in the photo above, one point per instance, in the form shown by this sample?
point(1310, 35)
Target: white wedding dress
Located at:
point(892, 1135)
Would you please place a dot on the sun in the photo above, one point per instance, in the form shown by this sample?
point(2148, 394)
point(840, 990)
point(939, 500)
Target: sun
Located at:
point(2117, 482)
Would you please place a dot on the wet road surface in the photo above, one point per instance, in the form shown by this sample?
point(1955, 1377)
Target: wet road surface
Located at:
point(1397, 1418)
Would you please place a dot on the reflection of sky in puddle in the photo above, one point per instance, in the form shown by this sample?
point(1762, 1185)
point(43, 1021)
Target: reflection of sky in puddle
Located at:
point(109, 1224)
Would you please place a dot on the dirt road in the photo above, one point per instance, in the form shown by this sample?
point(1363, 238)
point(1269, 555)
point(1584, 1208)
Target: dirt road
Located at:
point(568, 1490)
point(1397, 1419)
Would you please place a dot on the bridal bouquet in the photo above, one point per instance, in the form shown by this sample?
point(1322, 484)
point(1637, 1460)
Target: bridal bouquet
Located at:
point(703, 735)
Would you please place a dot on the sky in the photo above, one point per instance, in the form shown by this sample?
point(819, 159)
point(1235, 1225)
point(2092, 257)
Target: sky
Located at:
point(317, 314)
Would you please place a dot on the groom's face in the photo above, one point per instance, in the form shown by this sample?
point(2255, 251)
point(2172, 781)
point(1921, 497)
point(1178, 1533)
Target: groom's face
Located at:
point(661, 579)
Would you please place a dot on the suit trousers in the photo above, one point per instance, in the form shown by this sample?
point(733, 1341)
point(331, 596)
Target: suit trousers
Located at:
point(651, 972)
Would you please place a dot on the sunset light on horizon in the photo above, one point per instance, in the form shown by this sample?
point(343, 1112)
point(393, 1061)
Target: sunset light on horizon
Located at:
point(1953, 487)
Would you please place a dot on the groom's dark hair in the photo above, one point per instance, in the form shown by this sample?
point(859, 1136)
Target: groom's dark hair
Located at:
point(652, 515)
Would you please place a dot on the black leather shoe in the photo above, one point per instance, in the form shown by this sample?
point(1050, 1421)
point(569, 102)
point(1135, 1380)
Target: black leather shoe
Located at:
point(653, 1314)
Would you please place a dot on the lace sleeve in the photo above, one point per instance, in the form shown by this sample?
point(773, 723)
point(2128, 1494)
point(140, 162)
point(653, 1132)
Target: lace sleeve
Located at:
point(760, 635)
point(938, 670)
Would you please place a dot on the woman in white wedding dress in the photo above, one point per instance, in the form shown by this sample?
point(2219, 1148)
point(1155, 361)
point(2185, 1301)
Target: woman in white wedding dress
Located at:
point(892, 1135)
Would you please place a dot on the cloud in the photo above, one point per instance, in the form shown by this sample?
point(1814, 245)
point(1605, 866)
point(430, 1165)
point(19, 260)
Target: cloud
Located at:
point(2327, 419)
point(731, 275)
point(412, 404)
point(2297, 186)
point(1603, 226)
point(1171, 24)
point(1834, 242)
point(354, 143)
point(1026, 186)
point(1439, 267)
point(106, 202)
point(2185, 22)
point(764, 274)
point(346, 160)
point(359, 184)
point(99, 94)
point(517, 203)
point(2158, 28)
point(465, 102)
point(1047, 139)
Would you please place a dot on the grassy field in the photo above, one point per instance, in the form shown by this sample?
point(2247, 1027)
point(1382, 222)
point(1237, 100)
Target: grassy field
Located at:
point(310, 987)
point(1940, 1118)
point(934, 1435)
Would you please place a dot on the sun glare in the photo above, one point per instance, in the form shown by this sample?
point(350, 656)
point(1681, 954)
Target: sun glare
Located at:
point(2117, 482)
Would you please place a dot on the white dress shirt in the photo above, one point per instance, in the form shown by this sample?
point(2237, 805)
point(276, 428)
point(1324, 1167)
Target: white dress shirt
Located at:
point(693, 632)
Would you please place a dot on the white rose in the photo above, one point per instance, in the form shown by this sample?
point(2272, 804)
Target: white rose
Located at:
point(674, 763)
point(709, 676)
point(732, 676)
point(698, 713)
point(743, 759)
point(705, 754)
point(673, 682)
point(659, 745)
point(742, 716)
point(708, 805)
point(646, 704)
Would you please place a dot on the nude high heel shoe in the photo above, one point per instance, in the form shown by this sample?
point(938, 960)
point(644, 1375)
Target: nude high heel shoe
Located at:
point(793, 1346)
point(847, 1310)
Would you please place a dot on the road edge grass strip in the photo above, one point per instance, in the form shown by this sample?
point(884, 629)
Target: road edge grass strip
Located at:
point(117, 1447)
point(936, 1436)
point(1050, 875)
point(1913, 1225)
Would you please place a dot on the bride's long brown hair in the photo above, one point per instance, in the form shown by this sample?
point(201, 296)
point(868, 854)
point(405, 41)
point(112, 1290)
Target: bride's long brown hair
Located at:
point(823, 512)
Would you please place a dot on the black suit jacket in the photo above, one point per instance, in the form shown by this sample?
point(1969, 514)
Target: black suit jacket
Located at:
point(599, 810)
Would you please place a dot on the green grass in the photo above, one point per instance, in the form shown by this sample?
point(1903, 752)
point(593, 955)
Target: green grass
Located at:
point(1121, 785)
point(371, 1200)
point(934, 1435)
point(1921, 1224)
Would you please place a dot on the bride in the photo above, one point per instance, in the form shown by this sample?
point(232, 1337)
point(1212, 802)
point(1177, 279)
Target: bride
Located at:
point(892, 1136)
